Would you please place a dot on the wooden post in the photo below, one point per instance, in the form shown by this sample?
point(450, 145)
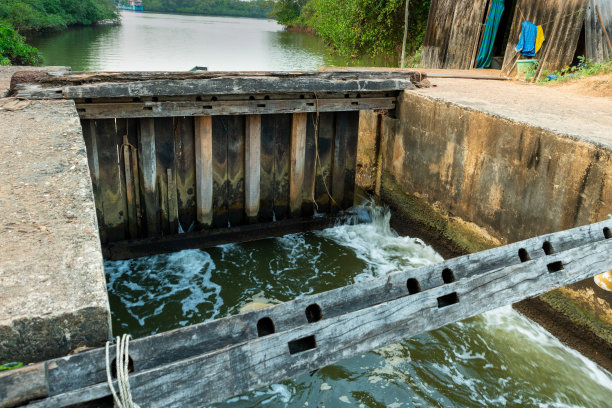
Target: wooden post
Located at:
point(282, 158)
point(252, 159)
point(136, 177)
point(172, 202)
point(266, 189)
point(310, 170)
point(324, 166)
point(185, 173)
point(603, 27)
point(351, 120)
point(219, 171)
point(147, 166)
point(203, 169)
point(235, 169)
point(129, 189)
point(298, 150)
point(405, 34)
point(113, 200)
point(339, 161)
point(164, 151)
point(89, 135)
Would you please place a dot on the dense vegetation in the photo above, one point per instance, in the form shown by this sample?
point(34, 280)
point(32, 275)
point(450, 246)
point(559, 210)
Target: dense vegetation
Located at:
point(54, 14)
point(237, 8)
point(35, 15)
point(14, 50)
point(357, 27)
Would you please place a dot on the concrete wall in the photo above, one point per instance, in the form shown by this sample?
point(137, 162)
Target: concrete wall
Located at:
point(481, 180)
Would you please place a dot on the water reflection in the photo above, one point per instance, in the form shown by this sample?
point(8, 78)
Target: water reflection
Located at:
point(149, 41)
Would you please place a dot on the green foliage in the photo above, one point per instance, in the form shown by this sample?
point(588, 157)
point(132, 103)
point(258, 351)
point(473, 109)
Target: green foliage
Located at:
point(584, 68)
point(235, 8)
point(14, 50)
point(55, 14)
point(358, 27)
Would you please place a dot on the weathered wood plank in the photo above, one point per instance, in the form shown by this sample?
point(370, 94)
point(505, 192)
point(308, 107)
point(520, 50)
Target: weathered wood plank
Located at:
point(164, 152)
point(185, 162)
point(244, 107)
point(91, 145)
point(129, 189)
point(219, 167)
point(351, 120)
point(204, 170)
point(282, 159)
point(252, 166)
point(147, 166)
point(23, 385)
point(172, 202)
point(323, 185)
point(298, 157)
point(269, 359)
point(111, 184)
point(235, 169)
point(214, 86)
point(341, 137)
point(310, 169)
point(266, 197)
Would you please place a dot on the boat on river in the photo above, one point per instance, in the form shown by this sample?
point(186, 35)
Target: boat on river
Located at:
point(134, 5)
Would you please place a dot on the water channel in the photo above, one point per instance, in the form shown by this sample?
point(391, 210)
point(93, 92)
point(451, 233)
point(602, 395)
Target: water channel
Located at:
point(497, 359)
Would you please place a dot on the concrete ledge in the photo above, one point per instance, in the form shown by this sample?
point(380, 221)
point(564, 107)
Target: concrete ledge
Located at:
point(52, 282)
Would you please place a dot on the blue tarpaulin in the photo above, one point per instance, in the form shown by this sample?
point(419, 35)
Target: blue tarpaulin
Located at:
point(485, 54)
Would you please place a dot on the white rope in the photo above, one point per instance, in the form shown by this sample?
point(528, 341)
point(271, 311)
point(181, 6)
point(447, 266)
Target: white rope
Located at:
point(122, 359)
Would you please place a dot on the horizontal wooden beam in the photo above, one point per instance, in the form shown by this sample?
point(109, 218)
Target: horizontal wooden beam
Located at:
point(208, 238)
point(245, 107)
point(64, 375)
point(211, 86)
point(239, 368)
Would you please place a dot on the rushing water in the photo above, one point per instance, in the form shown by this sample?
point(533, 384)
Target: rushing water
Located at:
point(497, 359)
point(149, 41)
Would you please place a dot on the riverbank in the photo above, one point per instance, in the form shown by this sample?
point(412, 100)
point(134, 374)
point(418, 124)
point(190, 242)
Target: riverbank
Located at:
point(469, 160)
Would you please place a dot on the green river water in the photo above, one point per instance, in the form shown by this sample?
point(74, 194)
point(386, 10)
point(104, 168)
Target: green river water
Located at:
point(498, 359)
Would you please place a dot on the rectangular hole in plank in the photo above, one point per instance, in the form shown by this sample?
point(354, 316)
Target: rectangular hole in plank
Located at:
point(448, 300)
point(207, 107)
point(555, 267)
point(607, 233)
point(310, 104)
point(147, 108)
point(261, 105)
point(303, 344)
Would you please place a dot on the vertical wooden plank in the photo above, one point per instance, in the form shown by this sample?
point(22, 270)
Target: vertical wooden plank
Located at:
point(129, 189)
point(324, 166)
point(351, 127)
point(235, 169)
point(113, 200)
point(164, 151)
point(252, 158)
point(282, 159)
point(219, 171)
point(185, 171)
point(298, 154)
point(172, 202)
point(204, 170)
point(266, 191)
point(339, 161)
point(308, 191)
point(147, 166)
point(89, 135)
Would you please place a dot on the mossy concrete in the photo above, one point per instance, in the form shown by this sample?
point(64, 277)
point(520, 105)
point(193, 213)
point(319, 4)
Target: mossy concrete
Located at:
point(483, 177)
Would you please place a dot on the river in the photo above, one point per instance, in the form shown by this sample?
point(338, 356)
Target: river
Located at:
point(172, 42)
point(498, 359)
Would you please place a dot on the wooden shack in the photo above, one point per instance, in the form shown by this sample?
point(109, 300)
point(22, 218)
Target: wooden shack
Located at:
point(572, 28)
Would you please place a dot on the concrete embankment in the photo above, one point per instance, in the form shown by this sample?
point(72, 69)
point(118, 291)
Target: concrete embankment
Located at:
point(483, 163)
point(53, 288)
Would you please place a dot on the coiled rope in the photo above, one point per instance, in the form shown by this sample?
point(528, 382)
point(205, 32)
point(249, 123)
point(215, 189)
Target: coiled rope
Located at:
point(124, 399)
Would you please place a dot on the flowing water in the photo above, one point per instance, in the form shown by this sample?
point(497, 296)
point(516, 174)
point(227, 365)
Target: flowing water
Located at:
point(150, 41)
point(497, 359)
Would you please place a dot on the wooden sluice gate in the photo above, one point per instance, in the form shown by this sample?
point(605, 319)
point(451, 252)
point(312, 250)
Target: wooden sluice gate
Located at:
point(183, 160)
point(213, 361)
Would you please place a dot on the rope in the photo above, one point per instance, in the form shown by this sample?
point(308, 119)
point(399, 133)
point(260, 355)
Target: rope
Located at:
point(318, 159)
point(124, 399)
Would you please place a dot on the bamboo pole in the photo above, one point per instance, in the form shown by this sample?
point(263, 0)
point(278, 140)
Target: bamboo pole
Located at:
point(405, 34)
point(603, 27)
